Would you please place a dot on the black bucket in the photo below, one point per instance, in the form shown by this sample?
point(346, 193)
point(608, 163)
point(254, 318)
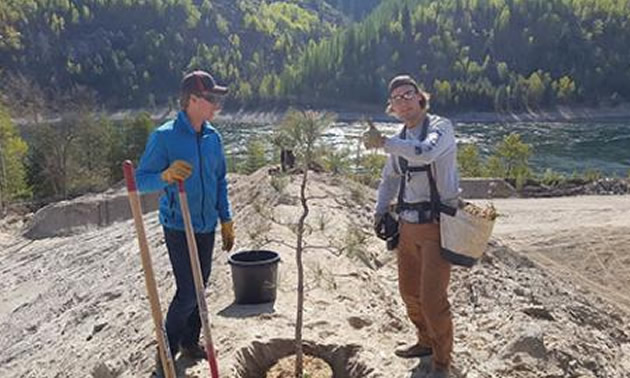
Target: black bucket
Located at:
point(255, 276)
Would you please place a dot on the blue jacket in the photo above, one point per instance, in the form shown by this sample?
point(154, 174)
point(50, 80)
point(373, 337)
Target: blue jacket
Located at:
point(206, 187)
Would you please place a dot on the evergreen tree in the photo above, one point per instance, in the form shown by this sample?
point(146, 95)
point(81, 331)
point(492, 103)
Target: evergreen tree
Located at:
point(12, 154)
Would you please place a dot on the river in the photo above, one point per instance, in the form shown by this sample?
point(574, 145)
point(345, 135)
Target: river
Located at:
point(562, 146)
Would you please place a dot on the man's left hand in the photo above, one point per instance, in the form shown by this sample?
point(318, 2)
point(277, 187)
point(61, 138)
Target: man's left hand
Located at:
point(227, 235)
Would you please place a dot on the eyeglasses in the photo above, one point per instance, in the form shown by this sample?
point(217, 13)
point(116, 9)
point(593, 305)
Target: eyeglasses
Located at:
point(407, 96)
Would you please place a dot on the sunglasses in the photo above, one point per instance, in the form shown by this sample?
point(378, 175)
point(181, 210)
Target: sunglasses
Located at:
point(211, 98)
point(407, 96)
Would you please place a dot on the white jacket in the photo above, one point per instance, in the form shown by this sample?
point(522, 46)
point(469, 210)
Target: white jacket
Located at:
point(439, 149)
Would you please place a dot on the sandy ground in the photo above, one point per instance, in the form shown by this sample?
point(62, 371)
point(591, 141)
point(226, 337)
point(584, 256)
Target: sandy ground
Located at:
point(76, 306)
point(585, 239)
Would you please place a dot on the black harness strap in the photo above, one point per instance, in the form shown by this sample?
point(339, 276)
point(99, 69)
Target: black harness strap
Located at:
point(435, 206)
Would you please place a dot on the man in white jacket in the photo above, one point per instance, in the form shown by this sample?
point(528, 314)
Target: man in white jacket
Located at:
point(421, 172)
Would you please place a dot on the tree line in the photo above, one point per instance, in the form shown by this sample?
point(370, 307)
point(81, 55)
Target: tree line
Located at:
point(503, 55)
point(74, 56)
point(132, 53)
point(498, 55)
point(83, 152)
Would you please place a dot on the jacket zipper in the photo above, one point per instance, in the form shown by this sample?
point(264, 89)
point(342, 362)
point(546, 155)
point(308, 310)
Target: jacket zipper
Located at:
point(203, 193)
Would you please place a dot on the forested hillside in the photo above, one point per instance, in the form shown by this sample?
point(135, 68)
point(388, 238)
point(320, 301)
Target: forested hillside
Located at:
point(504, 55)
point(133, 52)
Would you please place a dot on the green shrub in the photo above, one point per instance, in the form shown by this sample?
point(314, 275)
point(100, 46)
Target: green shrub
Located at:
point(469, 161)
point(279, 182)
point(256, 157)
point(591, 175)
point(514, 156)
point(336, 161)
point(13, 152)
point(552, 178)
point(511, 160)
point(369, 169)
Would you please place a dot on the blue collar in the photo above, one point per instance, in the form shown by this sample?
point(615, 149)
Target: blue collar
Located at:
point(183, 122)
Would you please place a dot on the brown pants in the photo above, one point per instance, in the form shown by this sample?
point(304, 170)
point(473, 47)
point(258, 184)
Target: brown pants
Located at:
point(423, 277)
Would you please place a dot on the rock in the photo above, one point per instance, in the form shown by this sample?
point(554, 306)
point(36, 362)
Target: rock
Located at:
point(539, 313)
point(105, 370)
point(519, 291)
point(573, 187)
point(358, 322)
point(89, 211)
point(98, 327)
point(529, 341)
point(482, 188)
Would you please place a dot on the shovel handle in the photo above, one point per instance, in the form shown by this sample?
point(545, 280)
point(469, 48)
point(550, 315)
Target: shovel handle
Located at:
point(199, 287)
point(166, 357)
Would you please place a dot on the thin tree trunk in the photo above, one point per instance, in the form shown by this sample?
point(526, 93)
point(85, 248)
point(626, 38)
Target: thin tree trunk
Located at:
point(299, 355)
point(358, 163)
point(4, 186)
point(64, 173)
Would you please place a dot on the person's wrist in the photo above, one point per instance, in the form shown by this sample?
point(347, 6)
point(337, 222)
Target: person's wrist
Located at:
point(166, 177)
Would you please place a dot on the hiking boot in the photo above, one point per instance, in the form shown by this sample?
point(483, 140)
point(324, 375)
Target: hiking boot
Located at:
point(414, 351)
point(194, 352)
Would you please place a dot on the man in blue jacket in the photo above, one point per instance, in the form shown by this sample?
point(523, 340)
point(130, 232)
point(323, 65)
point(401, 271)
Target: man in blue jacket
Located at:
point(189, 149)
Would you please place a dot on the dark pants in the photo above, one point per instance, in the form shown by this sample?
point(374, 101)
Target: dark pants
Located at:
point(182, 321)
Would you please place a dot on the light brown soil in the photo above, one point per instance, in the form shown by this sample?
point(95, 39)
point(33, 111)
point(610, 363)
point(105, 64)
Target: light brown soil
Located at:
point(313, 368)
point(583, 239)
point(77, 306)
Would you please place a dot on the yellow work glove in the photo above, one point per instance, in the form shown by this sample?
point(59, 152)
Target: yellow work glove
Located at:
point(373, 138)
point(227, 235)
point(178, 171)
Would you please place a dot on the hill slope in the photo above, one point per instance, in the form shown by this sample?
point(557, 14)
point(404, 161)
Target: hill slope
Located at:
point(133, 53)
point(502, 55)
point(74, 306)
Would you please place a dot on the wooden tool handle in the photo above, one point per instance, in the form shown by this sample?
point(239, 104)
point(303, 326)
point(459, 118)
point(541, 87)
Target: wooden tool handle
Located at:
point(156, 313)
point(199, 287)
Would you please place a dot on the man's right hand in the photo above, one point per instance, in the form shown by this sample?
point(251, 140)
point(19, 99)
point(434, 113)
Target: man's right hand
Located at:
point(178, 171)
